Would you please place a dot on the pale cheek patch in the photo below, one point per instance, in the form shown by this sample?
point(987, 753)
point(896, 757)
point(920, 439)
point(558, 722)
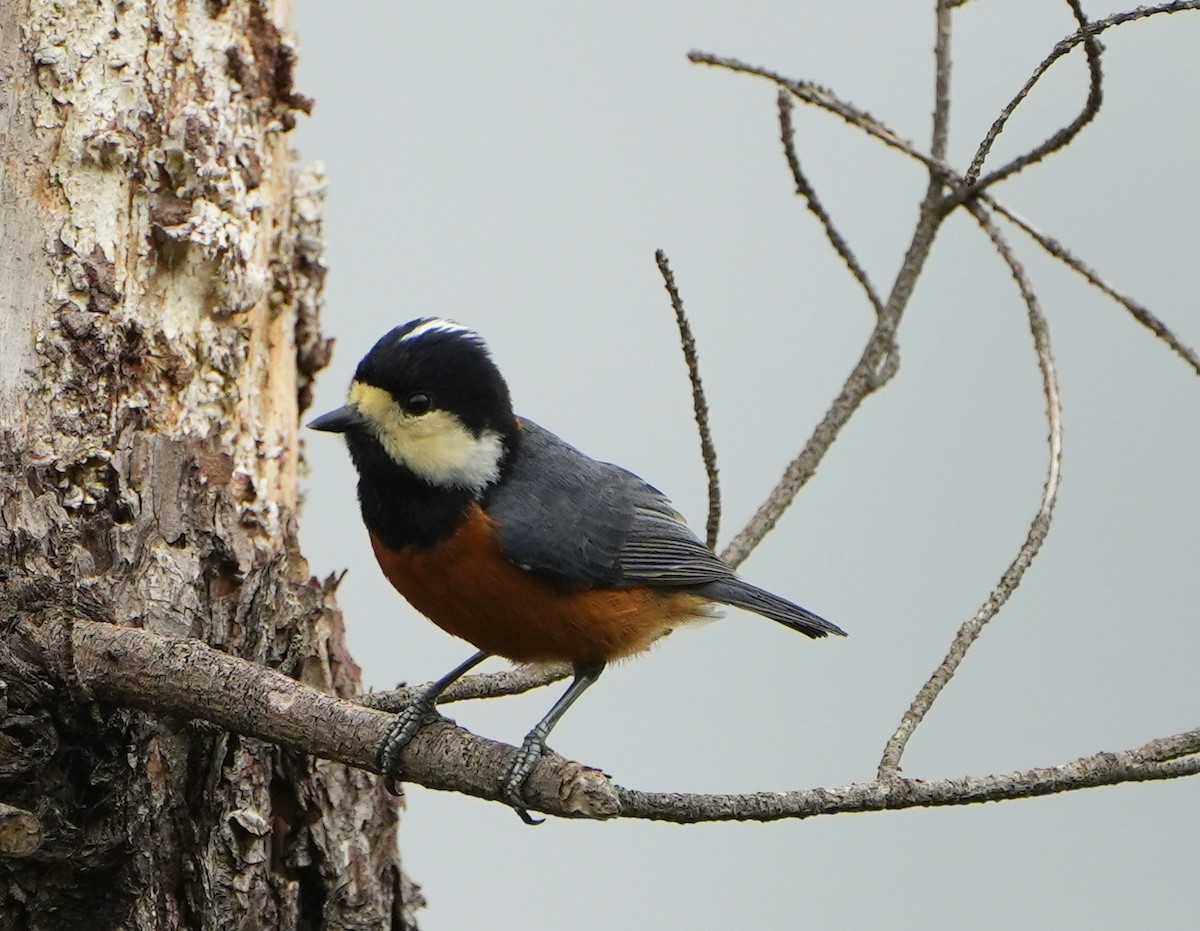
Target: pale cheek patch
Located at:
point(434, 446)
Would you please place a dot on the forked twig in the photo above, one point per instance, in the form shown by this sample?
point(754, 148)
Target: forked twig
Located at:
point(1138, 311)
point(878, 362)
point(708, 449)
point(1064, 136)
point(826, 99)
point(889, 765)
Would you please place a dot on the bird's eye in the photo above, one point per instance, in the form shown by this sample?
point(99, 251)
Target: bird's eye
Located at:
point(418, 404)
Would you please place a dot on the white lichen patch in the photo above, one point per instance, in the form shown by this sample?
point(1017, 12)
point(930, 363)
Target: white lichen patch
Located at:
point(172, 190)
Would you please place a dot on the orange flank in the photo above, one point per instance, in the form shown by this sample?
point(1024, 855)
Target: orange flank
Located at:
point(468, 587)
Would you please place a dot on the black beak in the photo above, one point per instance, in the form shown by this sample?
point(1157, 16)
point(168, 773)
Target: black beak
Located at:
point(341, 420)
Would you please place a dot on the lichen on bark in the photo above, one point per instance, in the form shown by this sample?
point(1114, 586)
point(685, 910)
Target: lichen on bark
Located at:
point(163, 263)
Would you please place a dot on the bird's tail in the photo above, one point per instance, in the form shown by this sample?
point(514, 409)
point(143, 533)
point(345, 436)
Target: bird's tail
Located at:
point(741, 594)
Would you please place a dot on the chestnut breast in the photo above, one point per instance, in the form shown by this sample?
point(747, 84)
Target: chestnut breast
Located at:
point(467, 586)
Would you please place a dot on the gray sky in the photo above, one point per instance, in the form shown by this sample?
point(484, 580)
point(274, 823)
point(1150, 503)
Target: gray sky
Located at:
point(514, 166)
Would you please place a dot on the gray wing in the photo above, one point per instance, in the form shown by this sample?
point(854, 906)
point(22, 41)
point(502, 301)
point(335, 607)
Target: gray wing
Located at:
point(584, 523)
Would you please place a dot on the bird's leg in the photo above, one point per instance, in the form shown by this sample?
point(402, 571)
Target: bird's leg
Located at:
point(535, 741)
point(415, 715)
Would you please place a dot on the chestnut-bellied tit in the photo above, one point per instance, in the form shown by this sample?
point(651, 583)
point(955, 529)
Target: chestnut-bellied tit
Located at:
point(508, 537)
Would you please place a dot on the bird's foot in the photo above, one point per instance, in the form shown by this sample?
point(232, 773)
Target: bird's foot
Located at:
point(513, 788)
point(404, 727)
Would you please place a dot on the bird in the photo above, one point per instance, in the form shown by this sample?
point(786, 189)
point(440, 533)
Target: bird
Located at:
point(508, 537)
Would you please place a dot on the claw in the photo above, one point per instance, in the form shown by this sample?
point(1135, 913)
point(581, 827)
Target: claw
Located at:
point(420, 711)
point(513, 788)
point(401, 731)
point(527, 817)
point(523, 763)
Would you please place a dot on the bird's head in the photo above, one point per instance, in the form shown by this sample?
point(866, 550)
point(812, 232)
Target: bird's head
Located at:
point(429, 396)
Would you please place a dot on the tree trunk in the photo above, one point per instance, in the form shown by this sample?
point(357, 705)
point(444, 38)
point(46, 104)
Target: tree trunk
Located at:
point(160, 278)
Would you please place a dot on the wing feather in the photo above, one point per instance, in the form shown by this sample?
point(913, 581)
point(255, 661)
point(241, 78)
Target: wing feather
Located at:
point(585, 523)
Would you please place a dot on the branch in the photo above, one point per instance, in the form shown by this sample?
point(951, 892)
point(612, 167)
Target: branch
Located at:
point(826, 99)
point(874, 368)
point(879, 360)
point(941, 82)
point(708, 451)
point(1138, 311)
point(805, 190)
point(889, 765)
point(1064, 136)
point(1100, 769)
point(486, 685)
point(188, 679)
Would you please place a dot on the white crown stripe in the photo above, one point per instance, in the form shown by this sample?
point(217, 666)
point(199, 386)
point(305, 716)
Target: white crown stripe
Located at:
point(438, 325)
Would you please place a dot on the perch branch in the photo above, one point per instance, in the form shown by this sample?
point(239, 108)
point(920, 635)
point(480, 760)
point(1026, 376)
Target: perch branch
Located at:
point(188, 679)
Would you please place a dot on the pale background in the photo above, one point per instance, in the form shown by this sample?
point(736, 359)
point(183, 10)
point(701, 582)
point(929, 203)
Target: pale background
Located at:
point(514, 166)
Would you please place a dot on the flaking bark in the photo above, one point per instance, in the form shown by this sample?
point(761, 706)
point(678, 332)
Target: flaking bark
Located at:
point(160, 276)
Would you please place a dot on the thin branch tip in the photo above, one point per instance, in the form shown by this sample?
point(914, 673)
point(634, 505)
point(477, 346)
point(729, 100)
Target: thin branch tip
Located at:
point(708, 450)
point(804, 188)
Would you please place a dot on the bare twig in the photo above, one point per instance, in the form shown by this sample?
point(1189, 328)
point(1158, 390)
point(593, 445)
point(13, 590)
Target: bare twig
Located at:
point(1138, 311)
point(889, 765)
point(941, 82)
point(708, 450)
point(864, 379)
point(1141, 12)
point(486, 685)
point(805, 190)
point(1064, 136)
point(826, 100)
point(1169, 748)
point(879, 359)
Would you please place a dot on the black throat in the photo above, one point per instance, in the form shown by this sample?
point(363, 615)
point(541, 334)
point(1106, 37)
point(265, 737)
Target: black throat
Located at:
point(399, 508)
